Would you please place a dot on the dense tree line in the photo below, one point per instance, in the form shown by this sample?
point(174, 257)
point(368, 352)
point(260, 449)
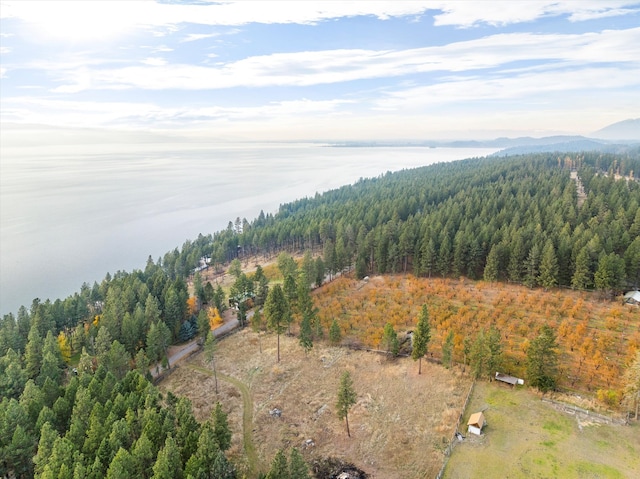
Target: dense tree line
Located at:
point(98, 426)
point(514, 219)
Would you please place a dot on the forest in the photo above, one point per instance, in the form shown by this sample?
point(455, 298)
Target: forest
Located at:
point(74, 374)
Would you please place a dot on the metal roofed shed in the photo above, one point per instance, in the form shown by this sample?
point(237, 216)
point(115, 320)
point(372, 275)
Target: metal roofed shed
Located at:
point(476, 423)
point(509, 379)
point(632, 297)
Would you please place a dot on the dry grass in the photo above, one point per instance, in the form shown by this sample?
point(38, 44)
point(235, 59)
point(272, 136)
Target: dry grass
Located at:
point(398, 426)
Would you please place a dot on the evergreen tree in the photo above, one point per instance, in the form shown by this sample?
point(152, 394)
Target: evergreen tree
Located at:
point(491, 269)
point(542, 360)
point(276, 311)
point(222, 468)
point(335, 333)
point(33, 352)
point(221, 429)
point(548, 276)
point(279, 468)
point(346, 398)
point(581, 278)
point(421, 337)
point(390, 339)
point(494, 344)
point(479, 355)
point(447, 350)
point(532, 266)
point(122, 466)
point(262, 285)
point(298, 468)
point(306, 334)
point(143, 456)
point(168, 464)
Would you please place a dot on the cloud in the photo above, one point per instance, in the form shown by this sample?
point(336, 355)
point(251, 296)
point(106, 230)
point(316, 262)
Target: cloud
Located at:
point(345, 65)
point(499, 13)
point(192, 37)
point(30, 110)
point(154, 61)
point(532, 88)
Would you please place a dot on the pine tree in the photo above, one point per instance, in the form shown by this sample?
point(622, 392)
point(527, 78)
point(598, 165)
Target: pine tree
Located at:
point(581, 278)
point(277, 314)
point(494, 344)
point(222, 468)
point(168, 464)
point(335, 333)
point(279, 468)
point(298, 468)
point(548, 276)
point(221, 429)
point(542, 360)
point(479, 355)
point(421, 337)
point(306, 334)
point(447, 350)
point(491, 269)
point(390, 339)
point(346, 398)
point(122, 466)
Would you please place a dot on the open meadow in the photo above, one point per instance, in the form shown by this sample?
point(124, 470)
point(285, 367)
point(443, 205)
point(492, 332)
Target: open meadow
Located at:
point(399, 425)
point(528, 438)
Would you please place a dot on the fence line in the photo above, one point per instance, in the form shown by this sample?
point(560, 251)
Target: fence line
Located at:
point(576, 410)
point(454, 440)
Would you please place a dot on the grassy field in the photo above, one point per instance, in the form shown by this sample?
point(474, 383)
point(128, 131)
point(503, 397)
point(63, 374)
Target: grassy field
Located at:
point(399, 425)
point(528, 438)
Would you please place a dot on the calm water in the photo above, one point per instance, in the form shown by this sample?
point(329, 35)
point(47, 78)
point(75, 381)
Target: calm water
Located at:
point(68, 217)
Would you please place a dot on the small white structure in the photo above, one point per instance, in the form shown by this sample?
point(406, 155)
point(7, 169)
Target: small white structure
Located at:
point(509, 379)
point(632, 297)
point(476, 423)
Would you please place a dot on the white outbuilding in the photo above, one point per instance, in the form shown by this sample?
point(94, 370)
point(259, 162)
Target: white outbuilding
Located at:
point(476, 423)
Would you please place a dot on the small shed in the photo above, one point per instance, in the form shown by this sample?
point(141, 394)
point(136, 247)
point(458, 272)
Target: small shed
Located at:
point(476, 423)
point(632, 297)
point(505, 378)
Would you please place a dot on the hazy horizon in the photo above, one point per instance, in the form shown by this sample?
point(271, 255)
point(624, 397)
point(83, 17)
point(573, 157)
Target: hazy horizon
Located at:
point(321, 71)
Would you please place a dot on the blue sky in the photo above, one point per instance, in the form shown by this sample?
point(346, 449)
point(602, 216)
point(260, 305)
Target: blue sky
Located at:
point(304, 70)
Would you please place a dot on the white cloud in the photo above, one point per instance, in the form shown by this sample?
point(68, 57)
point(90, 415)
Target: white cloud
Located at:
point(469, 13)
point(154, 61)
point(4, 50)
point(192, 37)
point(529, 88)
point(333, 66)
point(97, 19)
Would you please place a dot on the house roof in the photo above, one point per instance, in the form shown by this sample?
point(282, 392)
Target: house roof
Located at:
point(476, 419)
point(635, 295)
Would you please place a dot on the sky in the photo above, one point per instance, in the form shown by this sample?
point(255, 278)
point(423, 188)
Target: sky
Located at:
point(316, 71)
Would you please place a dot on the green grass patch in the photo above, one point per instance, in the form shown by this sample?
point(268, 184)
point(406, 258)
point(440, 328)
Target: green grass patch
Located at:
point(600, 471)
point(526, 438)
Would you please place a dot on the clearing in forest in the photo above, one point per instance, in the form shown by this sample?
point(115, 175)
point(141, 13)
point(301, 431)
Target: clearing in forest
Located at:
point(526, 437)
point(399, 425)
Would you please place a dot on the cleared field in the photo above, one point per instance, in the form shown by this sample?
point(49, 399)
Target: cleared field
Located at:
point(527, 438)
point(399, 425)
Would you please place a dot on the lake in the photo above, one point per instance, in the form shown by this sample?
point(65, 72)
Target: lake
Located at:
point(70, 216)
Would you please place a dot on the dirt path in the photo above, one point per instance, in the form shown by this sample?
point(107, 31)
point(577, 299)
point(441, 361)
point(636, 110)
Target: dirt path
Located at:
point(247, 417)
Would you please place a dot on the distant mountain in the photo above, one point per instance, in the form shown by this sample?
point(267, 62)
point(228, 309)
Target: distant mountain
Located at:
point(622, 130)
point(514, 146)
